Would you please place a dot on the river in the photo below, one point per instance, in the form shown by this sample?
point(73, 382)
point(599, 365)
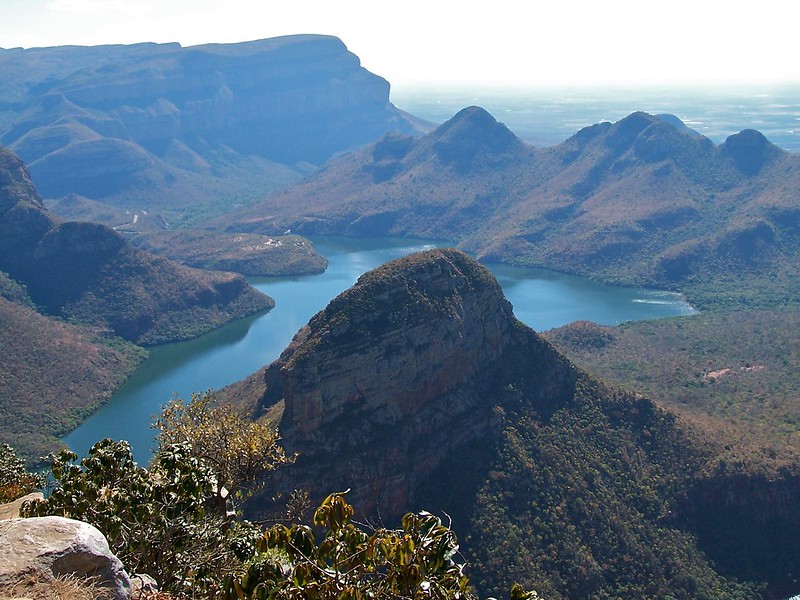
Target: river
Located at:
point(542, 299)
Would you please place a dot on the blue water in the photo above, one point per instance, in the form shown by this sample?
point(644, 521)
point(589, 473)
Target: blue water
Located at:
point(542, 299)
point(546, 117)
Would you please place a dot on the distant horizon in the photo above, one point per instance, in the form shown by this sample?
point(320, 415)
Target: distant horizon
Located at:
point(571, 43)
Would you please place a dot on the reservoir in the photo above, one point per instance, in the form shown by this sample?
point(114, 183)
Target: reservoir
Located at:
point(541, 299)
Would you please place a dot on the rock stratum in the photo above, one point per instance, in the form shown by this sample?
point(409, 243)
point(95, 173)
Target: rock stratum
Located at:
point(641, 201)
point(159, 126)
point(418, 389)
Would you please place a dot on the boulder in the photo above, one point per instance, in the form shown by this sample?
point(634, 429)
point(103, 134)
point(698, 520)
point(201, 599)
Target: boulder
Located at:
point(48, 547)
point(10, 510)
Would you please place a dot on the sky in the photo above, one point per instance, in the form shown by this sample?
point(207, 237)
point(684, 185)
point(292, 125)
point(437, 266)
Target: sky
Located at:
point(521, 43)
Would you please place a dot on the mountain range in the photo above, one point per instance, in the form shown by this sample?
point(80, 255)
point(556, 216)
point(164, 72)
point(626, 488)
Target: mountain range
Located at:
point(642, 200)
point(187, 131)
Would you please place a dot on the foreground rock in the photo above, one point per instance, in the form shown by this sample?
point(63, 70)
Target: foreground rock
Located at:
point(10, 510)
point(49, 547)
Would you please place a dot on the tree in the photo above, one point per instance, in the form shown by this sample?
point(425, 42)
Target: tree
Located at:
point(156, 520)
point(241, 453)
point(417, 561)
point(15, 480)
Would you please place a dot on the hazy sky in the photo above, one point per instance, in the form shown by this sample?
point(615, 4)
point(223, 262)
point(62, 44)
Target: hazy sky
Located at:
point(522, 42)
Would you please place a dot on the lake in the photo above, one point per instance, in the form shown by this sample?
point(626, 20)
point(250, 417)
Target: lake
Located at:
point(542, 299)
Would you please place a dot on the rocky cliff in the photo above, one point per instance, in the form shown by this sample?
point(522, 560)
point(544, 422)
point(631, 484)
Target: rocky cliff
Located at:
point(418, 389)
point(158, 126)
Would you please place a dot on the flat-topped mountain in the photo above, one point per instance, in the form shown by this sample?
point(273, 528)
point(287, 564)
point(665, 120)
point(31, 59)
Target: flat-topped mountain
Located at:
point(158, 126)
point(642, 200)
point(417, 388)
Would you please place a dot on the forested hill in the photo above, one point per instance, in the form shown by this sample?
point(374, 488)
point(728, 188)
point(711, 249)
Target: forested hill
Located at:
point(90, 274)
point(417, 388)
point(638, 201)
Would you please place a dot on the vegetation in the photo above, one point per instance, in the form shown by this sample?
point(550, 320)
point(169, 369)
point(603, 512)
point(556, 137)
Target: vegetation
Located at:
point(15, 480)
point(733, 372)
point(55, 376)
point(584, 498)
point(176, 519)
point(87, 273)
point(245, 253)
point(63, 587)
point(167, 521)
point(156, 520)
point(241, 453)
point(416, 561)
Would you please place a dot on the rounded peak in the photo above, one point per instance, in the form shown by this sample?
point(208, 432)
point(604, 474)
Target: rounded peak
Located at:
point(749, 150)
point(472, 119)
point(473, 138)
point(747, 138)
point(435, 273)
point(623, 133)
point(399, 339)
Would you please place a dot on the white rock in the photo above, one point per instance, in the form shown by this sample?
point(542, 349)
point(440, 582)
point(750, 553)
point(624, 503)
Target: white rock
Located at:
point(53, 546)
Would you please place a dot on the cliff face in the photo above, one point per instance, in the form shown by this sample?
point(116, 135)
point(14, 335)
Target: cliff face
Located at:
point(395, 344)
point(386, 373)
point(418, 389)
point(178, 120)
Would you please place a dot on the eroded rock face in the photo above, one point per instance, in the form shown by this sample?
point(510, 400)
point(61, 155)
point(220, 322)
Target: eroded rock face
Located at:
point(397, 373)
point(53, 546)
point(404, 336)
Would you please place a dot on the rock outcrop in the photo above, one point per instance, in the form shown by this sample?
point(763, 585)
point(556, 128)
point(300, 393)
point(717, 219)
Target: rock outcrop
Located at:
point(48, 547)
point(385, 372)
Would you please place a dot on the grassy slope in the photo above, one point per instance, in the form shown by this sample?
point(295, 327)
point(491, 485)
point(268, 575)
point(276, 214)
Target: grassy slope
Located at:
point(733, 372)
